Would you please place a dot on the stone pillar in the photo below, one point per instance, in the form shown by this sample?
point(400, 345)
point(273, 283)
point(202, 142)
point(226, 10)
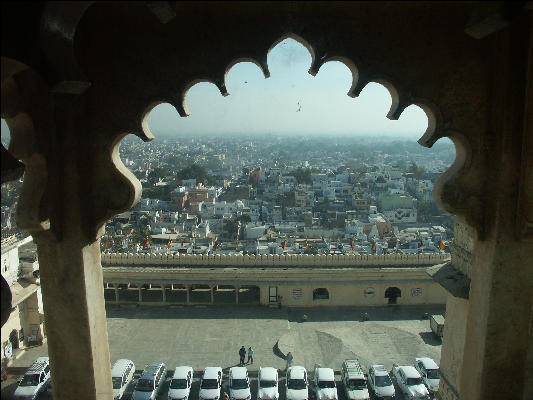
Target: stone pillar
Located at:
point(75, 317)
point(211, 288)
point(116, 292)
point(164, 293)
point(499, 309)
point(140, 294)
point(237, 294)
point(188, 287)
point(453, 342)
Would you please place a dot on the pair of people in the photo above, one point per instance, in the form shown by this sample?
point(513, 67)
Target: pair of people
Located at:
point(242, 355)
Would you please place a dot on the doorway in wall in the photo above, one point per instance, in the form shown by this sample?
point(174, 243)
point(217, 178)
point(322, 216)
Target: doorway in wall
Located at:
point(392, 293)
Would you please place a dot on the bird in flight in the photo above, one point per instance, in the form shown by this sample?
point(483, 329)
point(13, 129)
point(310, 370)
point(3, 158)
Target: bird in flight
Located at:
point(299, 107)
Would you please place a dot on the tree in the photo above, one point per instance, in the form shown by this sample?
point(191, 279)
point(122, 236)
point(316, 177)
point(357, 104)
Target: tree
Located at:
point(303, 175)
point(231, 226)
point(418, 172)
point(157, 174)
point(140, 234)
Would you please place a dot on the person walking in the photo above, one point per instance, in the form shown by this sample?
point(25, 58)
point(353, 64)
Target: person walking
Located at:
point(289, 360)
point(242, 354)
point(250, 355)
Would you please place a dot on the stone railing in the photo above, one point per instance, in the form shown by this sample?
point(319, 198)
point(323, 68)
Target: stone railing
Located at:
point(274, 260)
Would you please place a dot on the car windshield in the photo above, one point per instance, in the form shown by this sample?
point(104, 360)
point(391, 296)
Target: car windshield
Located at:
point(178, 384)
point(383, 381)
point(209, 384)
point(413, 381)
point(239, 384)
point(326, 384)
point(433, 374)
point(117, 382)
point(357, 384)
point(267, 384)
point(145, 385)
point(30, 380)
point(296, 384)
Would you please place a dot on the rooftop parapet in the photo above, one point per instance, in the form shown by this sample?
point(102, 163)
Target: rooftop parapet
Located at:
point(269, 260)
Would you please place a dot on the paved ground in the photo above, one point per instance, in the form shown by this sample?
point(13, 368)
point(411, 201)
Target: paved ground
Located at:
point(212, 335)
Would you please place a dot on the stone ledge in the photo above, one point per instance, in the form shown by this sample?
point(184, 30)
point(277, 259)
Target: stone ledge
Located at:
point(455, 282)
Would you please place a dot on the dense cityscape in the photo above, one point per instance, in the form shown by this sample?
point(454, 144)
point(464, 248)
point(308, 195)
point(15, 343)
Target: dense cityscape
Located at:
point(278, 195)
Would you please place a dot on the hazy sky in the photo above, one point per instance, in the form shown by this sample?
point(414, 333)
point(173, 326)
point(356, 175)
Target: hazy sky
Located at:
point(257, 105)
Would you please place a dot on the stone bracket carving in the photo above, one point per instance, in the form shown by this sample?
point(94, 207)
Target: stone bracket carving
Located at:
point(455, 283)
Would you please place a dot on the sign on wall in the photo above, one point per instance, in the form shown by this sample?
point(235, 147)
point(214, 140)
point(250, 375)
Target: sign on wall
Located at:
point(8, 350)
point(370, 292)
point(416, 292)
point(297, 293)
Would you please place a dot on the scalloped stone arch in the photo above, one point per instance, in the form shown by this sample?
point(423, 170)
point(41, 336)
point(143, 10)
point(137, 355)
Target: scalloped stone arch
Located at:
point(400, 101)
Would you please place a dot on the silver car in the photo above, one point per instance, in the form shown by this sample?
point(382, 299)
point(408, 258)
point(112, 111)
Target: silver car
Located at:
point(150, 382)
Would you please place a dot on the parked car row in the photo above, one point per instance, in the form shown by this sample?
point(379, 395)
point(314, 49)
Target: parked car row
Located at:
point(419, 381)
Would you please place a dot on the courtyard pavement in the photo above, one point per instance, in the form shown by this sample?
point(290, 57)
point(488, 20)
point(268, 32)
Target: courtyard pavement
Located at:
point(201, 336)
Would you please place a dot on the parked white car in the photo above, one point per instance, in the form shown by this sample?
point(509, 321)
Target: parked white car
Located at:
point(429, 370)
point(180, 385)
point(239, 384)
point(297, 383)
point(380, 383)
point(211, 384)
point(122, 375)
point(35, 380)
point(267, 384)
point(324, 384)
point(410, 382)
point(354, 380)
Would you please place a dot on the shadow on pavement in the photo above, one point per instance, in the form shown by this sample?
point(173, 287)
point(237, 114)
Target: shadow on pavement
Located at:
point(207, 311)
point(378, 313)
point(429, 338)
point(277, 352)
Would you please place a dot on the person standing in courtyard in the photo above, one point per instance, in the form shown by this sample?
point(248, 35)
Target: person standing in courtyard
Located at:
point(242, 354)
point(289, 360)
point(250, 355)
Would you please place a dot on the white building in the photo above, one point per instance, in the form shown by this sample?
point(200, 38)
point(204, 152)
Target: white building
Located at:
point(20, 268)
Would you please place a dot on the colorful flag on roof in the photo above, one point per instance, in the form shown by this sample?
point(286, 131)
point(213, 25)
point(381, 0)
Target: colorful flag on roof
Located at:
point(442, 246)
point(145, 243)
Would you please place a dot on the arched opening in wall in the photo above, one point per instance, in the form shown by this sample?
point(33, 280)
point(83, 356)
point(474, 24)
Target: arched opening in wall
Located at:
point(14, 339)
point(289, 168)
point(320, 294)
point(291, 153)
point(392, 294)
